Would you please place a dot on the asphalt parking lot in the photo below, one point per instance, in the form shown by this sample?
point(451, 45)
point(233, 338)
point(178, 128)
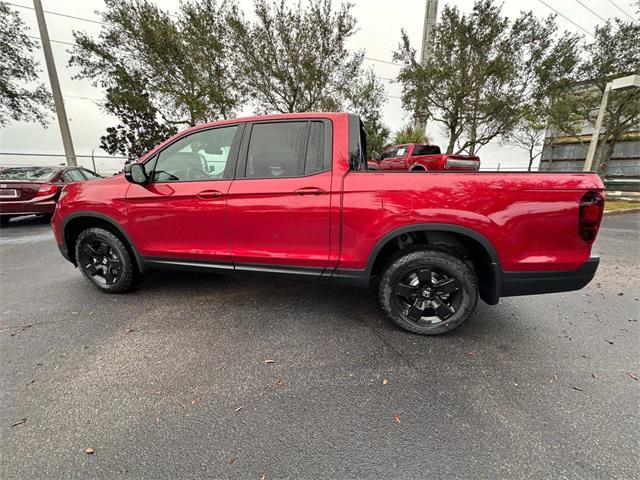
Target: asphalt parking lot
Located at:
point(208, 376)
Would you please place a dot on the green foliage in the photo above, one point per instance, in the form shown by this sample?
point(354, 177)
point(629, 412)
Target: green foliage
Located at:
point(138, 130)
point(162, 72)
point(295, 59)
point(22, 98)
point(182, 69)
point(486, 76)
point(365, 97)
point(615, 52)
point(410, 134)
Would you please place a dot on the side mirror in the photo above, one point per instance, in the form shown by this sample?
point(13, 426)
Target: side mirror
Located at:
point(135, 173)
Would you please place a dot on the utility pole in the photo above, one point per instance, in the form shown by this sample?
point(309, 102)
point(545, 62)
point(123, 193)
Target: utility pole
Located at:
point(55, 86)
point(430, 19)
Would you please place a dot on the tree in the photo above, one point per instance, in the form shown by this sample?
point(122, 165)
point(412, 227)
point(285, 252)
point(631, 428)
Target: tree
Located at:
point(614, 52)
point(138, 131)
point(296, 59)
point(468, 79)
point(410, 134)
point(483, 73)
point(546, 68)
point(180, 71)
point(22, 97)
point(366, 97)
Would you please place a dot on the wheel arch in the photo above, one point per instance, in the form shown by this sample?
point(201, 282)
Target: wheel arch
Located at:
point(79, 221)
point(462, 241)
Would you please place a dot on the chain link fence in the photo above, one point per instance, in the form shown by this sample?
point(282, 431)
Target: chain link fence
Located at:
point(105, 165)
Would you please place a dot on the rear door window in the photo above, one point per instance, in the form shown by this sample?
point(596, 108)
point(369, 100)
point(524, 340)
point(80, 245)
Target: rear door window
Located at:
point(286, 149)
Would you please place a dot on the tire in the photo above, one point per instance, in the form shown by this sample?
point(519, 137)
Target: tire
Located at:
point(105, 261)
point(428, 291)
point(4, 220)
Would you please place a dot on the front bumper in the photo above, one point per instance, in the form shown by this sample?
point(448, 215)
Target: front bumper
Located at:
point(532, 283)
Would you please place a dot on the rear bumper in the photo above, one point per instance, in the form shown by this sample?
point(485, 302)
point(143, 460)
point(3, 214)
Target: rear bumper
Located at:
point(27, 207)
point(532, 283)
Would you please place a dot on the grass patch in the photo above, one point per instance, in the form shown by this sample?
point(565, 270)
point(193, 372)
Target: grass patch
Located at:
point(610, 206)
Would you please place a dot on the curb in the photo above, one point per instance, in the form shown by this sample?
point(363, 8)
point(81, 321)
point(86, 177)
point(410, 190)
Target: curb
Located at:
point(612, 213)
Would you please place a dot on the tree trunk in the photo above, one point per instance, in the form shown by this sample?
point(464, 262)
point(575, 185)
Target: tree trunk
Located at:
point(603, 155)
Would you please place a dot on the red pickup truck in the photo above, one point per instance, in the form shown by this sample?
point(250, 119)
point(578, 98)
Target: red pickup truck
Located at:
point(291, 194)
point(421, 157)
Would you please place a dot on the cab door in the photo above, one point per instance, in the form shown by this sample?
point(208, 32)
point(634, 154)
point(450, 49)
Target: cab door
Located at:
point(278, 207)
point(180, 213)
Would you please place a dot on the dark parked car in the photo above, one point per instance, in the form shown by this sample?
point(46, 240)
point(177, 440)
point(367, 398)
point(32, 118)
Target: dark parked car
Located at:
point(35, 190)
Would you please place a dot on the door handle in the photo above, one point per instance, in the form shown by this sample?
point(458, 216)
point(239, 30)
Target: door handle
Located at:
point(310, 191)
point(209, 194)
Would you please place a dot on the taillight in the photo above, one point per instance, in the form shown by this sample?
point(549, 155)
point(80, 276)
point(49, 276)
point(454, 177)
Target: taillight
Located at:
point(47, 189)
point(591, 208)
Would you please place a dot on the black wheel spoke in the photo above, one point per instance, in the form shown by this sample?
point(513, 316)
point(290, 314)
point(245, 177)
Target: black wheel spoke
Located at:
point(103, 248)
point(91, 269)
point(446, 287)
point(417, 310)
point(425, 278)
point(405, 290)
point(90, 250)
point(442, 310)
point(108, 277)
point(114, 263)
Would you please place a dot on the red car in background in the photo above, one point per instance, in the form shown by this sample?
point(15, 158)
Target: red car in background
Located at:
point(35, 190)
point(423, 157)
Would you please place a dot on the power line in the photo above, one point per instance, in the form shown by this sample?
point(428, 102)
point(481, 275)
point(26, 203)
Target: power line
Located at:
point(58, 14)
point(382, 61)
point(585, 6)
point(623, 11)
point(567, 18)
point(54, 41)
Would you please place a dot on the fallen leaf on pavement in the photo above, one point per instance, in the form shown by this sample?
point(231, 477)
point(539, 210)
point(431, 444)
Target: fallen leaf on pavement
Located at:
point(239, 408)
point(22, 329)
point(472, 354)
point(32, 381)
point(130, 330)
point(578, 389)
point(385, 381)
point(89, 451)
point(610, 342)
point(593, 375)
point(396, 418)
point(269, 361)
point(633, 376)
point(280, 382)
point(194, 402)
point(232, 461)
point(263, 477)
point(22, 421)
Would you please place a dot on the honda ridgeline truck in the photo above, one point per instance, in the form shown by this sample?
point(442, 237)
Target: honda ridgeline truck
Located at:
point(292, 194)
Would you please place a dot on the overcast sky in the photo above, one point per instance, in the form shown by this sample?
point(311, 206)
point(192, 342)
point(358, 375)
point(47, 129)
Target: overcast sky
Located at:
point(379, 22)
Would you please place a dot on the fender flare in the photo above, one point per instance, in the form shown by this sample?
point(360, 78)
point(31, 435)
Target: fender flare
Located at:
point(495, 268)
point(90, 214)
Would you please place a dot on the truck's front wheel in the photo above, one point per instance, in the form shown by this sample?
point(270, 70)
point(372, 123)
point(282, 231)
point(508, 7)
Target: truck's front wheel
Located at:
point(428, 292)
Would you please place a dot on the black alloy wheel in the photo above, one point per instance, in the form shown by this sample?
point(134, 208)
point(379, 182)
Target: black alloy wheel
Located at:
point(428, 291)
point(101, 261)
point(428, 295)
point(105, 261)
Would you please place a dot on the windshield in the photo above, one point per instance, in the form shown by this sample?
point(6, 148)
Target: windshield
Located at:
point(27, 173)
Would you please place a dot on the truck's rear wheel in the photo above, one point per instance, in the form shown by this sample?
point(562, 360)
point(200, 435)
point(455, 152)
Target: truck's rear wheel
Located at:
point(428, 292)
